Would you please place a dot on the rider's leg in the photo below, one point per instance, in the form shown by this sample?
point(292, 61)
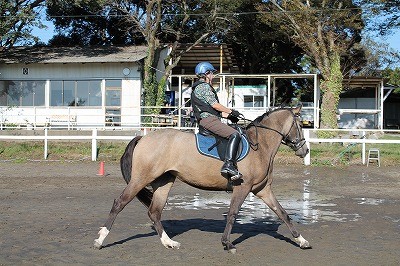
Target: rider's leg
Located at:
point(213, 124)
point(229, 168)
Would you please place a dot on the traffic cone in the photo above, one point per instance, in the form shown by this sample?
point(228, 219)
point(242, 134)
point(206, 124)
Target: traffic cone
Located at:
point(101, 169)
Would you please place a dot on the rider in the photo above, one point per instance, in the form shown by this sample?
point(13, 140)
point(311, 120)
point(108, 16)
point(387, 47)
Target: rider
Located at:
point(208, 112)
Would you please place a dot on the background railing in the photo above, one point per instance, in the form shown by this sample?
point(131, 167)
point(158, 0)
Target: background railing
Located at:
point(348, 137)
point(86, 118)
point(351, 136)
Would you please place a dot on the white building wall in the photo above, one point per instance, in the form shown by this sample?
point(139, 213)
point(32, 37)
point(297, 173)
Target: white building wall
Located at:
point(69, 71)
point(85, 116)
point(357, 120)
point(130, 102)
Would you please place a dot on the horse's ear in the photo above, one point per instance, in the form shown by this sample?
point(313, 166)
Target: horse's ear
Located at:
point(297, 109)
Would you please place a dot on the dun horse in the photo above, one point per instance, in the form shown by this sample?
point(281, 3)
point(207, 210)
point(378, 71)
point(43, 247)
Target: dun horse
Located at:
point(160, 157)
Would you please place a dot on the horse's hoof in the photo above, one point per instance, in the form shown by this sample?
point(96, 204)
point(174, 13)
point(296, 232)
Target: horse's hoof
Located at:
point(303, 244)
point(306, 245)
point(172, 245)
point(97, 244)
point(175, 245)
point(232, 250)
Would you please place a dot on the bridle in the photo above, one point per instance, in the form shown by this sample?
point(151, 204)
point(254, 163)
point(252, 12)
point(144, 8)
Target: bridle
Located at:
point(294, 144)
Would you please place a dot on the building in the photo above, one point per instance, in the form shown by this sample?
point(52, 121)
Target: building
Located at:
point(71, 86)
point(87, 87)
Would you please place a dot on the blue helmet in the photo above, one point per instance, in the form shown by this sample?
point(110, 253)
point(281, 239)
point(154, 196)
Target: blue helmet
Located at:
point(203, 67)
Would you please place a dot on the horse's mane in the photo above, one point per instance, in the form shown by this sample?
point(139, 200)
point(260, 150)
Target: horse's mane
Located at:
point(261, 117)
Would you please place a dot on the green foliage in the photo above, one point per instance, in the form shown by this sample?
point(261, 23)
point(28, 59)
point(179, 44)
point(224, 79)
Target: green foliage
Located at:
point(17, 18)
point(326, 134)
point(321, 154)
point(327, 31)
point(259, 46)
point(393, 76)
point(331, 88)
point(381, 15)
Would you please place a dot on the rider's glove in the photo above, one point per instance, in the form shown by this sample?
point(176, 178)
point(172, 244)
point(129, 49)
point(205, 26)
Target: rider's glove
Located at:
point(234, 116)
point(233, 119)
point(234, 113)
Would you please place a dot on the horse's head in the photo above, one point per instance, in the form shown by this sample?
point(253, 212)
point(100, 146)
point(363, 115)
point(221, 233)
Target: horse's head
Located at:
point(292, 132)
point(285, 122)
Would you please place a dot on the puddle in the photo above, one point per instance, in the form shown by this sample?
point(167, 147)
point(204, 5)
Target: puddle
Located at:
point(305, 207)
point(369, 201)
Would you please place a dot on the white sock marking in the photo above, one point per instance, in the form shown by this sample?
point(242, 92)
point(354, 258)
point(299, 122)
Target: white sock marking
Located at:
point(102, 235)
point(167, 242)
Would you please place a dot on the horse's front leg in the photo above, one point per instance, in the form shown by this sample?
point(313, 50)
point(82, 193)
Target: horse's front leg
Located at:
point(238, 196)
point(269, 198)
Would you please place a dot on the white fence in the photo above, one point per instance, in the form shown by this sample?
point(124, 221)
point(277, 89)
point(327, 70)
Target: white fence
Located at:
point(94, 137)
point(361, 138)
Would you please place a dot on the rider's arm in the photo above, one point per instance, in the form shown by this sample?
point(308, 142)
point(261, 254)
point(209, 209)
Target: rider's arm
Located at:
point(224, 110)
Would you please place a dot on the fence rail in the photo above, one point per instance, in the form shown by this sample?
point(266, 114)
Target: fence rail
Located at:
point(94, 137)
point(363, 140)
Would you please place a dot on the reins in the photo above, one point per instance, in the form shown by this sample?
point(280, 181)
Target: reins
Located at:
point(285, 140)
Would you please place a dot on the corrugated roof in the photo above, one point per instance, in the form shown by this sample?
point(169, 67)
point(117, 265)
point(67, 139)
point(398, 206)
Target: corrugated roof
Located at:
point(213, 53)
point(362, 82)
point(90, 54)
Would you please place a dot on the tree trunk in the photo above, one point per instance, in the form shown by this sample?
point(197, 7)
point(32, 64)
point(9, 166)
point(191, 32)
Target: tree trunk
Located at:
point(331, 88)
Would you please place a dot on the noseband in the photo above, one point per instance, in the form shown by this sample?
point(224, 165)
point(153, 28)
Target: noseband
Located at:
point(294, 144)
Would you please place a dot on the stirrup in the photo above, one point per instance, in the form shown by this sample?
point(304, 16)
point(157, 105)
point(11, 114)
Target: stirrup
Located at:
point(237, 176)
point(231, 173)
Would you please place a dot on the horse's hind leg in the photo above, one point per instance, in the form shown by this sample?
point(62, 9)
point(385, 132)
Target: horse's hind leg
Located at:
point(161, 188)
point(269, 198)
point(126, 196)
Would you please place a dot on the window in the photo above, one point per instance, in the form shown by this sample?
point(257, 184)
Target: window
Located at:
point(75, 93)
point(22, 93)
point(94, 93)
point(113, 92)
point(253, 101)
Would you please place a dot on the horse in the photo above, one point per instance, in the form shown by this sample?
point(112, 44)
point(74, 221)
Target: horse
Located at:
point(151, 164)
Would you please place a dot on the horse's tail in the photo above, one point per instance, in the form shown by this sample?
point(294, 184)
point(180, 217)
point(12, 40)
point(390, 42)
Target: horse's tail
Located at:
point(145, 195)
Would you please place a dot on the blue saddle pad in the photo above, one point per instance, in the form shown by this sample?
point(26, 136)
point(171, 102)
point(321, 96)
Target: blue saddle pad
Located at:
point(207, 145)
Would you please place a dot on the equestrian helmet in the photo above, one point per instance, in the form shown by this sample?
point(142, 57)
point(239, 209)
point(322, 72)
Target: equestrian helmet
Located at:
point(203, 68)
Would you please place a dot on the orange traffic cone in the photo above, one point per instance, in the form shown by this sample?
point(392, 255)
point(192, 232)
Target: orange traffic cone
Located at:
point(101, 169)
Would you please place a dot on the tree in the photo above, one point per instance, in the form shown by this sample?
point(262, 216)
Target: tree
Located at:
point(378, 56)
point(260, 48)
point(151, 22)
point(88, 22)
point(17, 18)
point(393, 76)
point(382, 15)
point(173, 22)
point(327, 31)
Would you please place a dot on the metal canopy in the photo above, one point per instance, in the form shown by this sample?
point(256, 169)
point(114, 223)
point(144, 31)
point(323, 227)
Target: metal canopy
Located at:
point(361, 82)
point(216, 54)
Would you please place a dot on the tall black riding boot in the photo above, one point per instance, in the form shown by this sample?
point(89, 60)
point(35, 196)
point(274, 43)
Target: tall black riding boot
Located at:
point(229, 168)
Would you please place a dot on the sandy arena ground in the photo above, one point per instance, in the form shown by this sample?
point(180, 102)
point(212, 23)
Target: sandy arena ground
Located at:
point(50, 213)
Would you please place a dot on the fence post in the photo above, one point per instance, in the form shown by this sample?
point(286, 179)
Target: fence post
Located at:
point(363, 147)
point(94, 144)
point(307, 158)
point(45, 144)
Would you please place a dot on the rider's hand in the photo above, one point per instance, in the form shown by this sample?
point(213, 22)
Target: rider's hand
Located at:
point(234, 113)
point(233, 119)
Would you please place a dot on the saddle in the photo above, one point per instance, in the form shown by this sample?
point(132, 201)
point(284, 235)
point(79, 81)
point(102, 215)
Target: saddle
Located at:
point(214, 146)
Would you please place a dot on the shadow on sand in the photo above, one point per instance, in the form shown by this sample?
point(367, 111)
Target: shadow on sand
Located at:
point(248, 230)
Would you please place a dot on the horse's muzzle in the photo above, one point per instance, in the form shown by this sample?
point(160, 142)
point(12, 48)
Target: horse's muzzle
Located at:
point(301, 148)
point(302, 152)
